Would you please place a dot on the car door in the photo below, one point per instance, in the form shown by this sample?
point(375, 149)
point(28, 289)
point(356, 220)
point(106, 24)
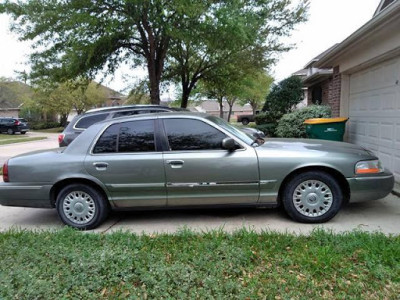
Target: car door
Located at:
point(126, 160)
point(199, 172)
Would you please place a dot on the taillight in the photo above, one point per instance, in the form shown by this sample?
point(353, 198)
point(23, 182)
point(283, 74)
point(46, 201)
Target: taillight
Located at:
point(5, 172)
point(16, 122)
point(60, 138)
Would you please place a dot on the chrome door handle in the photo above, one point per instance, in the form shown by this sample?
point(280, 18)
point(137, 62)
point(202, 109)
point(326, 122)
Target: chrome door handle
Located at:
point(175, 163)
point(100, 166)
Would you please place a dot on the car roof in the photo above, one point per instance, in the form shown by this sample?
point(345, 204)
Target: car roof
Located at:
point(123, 107)
point(157, 115)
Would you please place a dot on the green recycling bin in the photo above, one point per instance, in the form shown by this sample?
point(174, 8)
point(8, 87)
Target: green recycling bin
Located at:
point(326, 129)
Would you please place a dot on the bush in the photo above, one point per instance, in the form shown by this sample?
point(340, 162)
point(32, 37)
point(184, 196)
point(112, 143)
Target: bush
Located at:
point(43, 125)
point(267, 117)
point(285, 95)
point(268, 129)
point(291, 125)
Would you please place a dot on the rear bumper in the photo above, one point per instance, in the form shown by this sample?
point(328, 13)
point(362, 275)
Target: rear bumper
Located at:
point(370, 188)
point(25, 195)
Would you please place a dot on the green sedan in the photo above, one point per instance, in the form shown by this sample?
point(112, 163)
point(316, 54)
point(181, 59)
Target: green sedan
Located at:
point(175, 160)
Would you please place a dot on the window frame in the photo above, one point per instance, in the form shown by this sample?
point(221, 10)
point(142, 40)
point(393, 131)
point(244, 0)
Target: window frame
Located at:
point(156, 144)
point(86, 116)
point(165, 142)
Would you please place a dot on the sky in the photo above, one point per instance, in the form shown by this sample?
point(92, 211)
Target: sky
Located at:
point(330, 22)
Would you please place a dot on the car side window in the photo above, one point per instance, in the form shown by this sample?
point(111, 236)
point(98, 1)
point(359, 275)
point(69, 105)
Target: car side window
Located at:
point(134, 136)
point(187, 134)
point(107, 143)
point(85, 122)
point(125, 113)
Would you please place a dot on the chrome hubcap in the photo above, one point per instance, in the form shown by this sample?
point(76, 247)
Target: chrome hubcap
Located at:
point(312, 198)
point(79, 207)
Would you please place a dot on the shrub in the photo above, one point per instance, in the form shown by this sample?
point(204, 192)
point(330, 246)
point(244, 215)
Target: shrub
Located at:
point(267, 117)
point(268, 129)
point(291, 125)
point(43, 125)
point(285, 95)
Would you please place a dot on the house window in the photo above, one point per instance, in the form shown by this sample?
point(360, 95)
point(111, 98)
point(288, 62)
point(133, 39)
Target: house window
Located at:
point(316, 95)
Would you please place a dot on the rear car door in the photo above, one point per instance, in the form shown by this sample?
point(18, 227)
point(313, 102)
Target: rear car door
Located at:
point(125, 158)
point(200, 172)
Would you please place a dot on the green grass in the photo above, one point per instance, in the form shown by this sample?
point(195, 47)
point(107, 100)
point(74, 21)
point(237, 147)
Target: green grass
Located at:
point(19, 139)
point(51, 130)
point(245, 265)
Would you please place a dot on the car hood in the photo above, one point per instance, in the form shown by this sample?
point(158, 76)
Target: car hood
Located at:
point(313, 145)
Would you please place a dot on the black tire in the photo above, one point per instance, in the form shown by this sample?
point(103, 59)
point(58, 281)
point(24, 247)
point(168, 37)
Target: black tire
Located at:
point(99, 202)
point(23, 132)
point(245, 121)
point(10, 131)
point(322, 205)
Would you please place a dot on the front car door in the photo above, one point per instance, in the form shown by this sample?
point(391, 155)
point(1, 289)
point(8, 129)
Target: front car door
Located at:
point(199, 172)
point(125, 158)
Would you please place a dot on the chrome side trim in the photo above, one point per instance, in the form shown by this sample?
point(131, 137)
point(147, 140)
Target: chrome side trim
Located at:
point(208, 184)
point(136, 185)
point(21, 187)
point(371, 178)
point(267, 181)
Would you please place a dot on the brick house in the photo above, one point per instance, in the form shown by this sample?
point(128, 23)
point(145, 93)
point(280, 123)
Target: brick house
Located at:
point(360, 79)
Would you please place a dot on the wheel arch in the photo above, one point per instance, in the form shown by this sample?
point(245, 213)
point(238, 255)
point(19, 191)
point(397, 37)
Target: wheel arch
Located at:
point(344, 185)
point(64, 182)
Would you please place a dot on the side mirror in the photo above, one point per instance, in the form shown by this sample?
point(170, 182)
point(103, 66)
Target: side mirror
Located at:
point(229, 144)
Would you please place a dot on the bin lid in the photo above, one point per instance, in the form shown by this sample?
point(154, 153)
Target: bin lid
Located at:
point(325, 120)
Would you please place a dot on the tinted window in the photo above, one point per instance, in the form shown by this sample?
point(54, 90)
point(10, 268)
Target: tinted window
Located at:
point(85, 122)
point(125, 113)
point(108, 141)
point(136, 136)
point(186, 134)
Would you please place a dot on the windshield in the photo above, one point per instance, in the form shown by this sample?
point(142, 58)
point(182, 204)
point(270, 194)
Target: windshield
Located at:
point(231, 129)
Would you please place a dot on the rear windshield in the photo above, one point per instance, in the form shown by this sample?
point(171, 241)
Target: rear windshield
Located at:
point(87, 121)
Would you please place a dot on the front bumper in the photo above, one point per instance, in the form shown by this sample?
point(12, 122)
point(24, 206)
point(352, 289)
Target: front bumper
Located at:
point(371, 187)
point(25, 195)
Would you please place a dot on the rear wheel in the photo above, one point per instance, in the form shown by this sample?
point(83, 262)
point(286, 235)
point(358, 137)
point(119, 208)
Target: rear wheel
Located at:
point(81, 206)
point(245, 121)
point(23, 132)
point(312, 197)
point(10, 131)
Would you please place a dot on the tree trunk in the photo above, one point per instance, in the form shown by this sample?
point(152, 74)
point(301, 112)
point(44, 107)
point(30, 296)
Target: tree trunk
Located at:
point(221, 107)
point(230, 111)
point(185, 98)
point(63, 119)
point(154, 83)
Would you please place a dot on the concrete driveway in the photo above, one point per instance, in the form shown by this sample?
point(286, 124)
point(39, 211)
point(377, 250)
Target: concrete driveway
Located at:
point(382, 215)
point(10, 150)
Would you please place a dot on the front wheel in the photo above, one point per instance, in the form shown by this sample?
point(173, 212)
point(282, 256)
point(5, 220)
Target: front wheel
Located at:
point(10, 131)
point(81, 206)
point(312, 197)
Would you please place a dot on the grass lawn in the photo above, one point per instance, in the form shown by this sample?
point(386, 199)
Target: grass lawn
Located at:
point(245, 265)
point(51, 130)
point(11, 139)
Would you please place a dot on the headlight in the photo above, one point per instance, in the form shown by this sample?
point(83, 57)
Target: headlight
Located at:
point(369, 167)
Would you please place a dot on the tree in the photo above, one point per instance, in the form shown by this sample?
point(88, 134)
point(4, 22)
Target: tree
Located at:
point(139, 94)
point(284, 96)
point(60, 99)
point(254, 87)
point(81, 38)
point(233, 32)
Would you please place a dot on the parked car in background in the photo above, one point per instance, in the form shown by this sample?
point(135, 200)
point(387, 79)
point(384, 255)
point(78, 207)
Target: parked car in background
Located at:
point(246, 119)
point(171, 160)
point(81, 122)
point(13, 125)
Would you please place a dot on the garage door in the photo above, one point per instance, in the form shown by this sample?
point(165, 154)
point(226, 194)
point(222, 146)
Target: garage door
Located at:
point(374, 111)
